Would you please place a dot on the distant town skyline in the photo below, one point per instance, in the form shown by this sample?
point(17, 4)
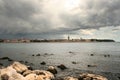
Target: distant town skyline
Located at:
point(58, 19)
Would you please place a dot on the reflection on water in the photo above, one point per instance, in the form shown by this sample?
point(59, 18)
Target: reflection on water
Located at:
point(85, 56)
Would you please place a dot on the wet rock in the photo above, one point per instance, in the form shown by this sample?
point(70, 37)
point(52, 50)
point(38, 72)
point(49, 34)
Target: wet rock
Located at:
point(44, 74)
point(52, 69)
point(91, 54)
point(6, 58)
point(71, 52)
point(43, 63)
point(3, 58)
point(19, 67)
point(73, 62)
point(29, 67)
point(1, 64)
point(26, 62)
point(106, 55)
point(87, 76)
point(91, 65)
point(21, 61)
point(31, 64)
point(38, 55)
point(62, 67)
point(119, 78)
point(70, 78)
point(10, 60)
point(33, 55)
point(46, 54)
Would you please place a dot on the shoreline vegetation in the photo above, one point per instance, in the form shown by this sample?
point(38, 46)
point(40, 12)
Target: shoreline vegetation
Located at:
point(53, 40)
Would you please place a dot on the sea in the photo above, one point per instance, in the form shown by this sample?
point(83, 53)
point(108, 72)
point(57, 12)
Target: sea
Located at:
point(93, 56)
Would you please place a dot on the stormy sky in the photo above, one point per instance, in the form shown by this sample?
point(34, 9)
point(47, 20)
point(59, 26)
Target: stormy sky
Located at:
point(51, 19)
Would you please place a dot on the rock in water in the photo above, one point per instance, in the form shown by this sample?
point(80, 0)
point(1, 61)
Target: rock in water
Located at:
point(87, 76)
point(38, 55)
point(62, 67)
point(52, 69)
point(44, 74)
point(19, 67)
point(43, 63)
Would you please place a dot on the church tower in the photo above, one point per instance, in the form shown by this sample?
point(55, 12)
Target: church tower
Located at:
point(68, 37)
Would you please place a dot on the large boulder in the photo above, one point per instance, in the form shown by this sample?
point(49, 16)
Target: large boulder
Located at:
point(19, 67)
point(10, 74)
point(87, 76)
point(44, 74)
point(38, 74)
point(27, 72)
point(31, 77)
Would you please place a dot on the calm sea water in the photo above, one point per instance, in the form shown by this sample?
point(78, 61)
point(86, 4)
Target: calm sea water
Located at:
point(66, 53)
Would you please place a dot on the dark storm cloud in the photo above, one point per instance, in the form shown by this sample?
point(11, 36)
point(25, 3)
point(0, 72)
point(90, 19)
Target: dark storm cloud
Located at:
point(17, 17)
point(17, 9)
point(94, 14)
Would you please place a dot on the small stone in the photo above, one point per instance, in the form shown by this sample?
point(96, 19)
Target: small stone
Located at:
point(91, 54)
point(52, 69)
point(74, 62)
point(105, 55)
point(92, 65)
point(38, 55)
point(33, 55)
point(43, 63)
point(46, 54)
point(30, 68)
point(62, 67)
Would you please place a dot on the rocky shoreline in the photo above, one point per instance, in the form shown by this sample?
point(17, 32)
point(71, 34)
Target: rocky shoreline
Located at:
point(19, 71)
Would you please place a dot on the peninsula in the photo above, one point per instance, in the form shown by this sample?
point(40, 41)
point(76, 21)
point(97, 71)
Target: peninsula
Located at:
point(53, 40)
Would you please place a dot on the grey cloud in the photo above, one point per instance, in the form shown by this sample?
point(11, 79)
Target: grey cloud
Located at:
point(96, 14)
point(16, 16)
point(17, 8)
